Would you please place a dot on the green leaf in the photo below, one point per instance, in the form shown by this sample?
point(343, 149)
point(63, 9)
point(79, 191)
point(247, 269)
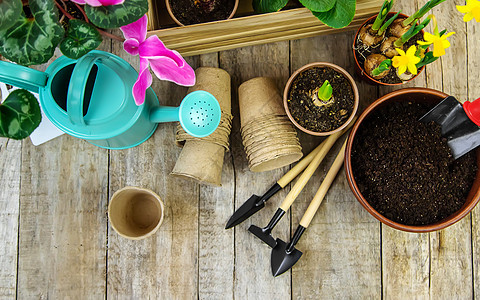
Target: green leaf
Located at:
point(19, 115)
point(427, 59)
point(318, 5)
point(325, 91)
point(341, 15)
point(266, 6)
point(32, 41)
point(382, 67)
point(81, 38)
point(10, 10)
point(114, 16)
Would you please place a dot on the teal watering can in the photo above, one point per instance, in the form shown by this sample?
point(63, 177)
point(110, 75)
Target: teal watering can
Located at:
point(91, 98)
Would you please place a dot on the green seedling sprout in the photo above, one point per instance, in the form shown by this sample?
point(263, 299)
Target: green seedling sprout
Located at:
point(388, 23)
point(416, 28)
point(382, 67)
point(325, 92)
point(421, 12)
point(384, 10)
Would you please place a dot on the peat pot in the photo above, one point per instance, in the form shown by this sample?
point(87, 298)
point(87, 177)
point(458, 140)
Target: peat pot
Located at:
point(312, 115)
point(410, 95)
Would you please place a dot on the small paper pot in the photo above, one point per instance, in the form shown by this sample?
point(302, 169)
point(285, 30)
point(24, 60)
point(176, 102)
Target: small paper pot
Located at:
point(361, 71)
point(269, 152)
point(216, 81)
point(268, 133)
point(170, 12)
point(321, 65)
point(249, 142)
point(201, 161)
point(259, 97)
point(135, 213)
point(280, 141)
point(272, 126)
point(275, 162)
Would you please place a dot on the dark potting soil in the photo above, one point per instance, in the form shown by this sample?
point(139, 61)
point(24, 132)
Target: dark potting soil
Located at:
point(320, 118)
point(200, 11)
point(362, 53)
point(404, 168)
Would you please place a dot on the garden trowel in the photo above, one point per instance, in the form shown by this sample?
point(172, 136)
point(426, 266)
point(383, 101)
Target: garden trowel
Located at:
point(265, 233)
point(255, 203)
point(459, 124)
point(284, 255)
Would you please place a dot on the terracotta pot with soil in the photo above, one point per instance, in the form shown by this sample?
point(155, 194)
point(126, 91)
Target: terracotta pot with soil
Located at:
point(188, 12)
point(308, 110)
point(401, 170)
point(370, 50)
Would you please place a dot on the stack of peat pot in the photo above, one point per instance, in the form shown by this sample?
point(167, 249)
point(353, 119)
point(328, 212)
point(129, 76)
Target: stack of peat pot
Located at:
point(268, 136)
point(201, 159)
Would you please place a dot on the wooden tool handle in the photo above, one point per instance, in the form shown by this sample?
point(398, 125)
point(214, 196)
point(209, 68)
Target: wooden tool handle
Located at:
point(299, 167)
point(302, 181)
point(322, 190)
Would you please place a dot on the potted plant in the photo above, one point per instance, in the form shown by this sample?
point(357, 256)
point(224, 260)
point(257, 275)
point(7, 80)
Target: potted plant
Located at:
point(401, 170)
point(389, 50)
point(334, 13)
point(188, 12)
point(31, 30)
point(320, 98)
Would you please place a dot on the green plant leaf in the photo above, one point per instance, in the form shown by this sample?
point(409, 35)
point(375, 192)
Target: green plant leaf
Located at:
point(341, 15)
point(382, 67)
point(32, 41)
point(10, 10)
point(19, 115)
point(81, 38)
point(114, 16)
point(267, 6)
point(318, 5)
point(325, 91)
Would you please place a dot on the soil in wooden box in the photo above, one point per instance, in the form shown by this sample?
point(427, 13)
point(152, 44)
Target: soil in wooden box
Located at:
point(362, 52)
point(404, 168)
point(303, 104)
point(200, 11)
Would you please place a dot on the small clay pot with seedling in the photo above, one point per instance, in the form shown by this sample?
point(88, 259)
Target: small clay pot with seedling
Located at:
point(187, 12)
point(320, 98)
point(383, 45)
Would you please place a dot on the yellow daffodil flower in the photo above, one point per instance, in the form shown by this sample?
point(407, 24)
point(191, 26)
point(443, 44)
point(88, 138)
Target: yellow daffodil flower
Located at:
point(440, 43)
point(406, 61)
point(471, 10)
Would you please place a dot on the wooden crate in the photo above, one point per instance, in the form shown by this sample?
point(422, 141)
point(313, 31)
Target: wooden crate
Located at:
point(246, 28)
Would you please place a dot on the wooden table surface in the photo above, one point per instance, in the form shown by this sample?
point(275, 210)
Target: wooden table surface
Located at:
point(56, 241)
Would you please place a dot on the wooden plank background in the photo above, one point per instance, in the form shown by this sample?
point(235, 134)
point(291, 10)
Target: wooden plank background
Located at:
point(56, 241)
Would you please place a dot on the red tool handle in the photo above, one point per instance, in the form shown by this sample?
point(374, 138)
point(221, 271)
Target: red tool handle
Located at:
point(472, 109)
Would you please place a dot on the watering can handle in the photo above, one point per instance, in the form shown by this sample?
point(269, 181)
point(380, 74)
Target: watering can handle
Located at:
point(22, 77)
point(77, 86)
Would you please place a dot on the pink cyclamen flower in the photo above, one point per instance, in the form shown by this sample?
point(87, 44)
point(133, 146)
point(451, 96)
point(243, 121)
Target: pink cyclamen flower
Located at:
point(166, 64)
point(99, 2)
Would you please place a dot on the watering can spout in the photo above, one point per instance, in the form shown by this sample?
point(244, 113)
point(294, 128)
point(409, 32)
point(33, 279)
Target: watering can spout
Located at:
point(162, 114)
point(199, 114)
point(22, 77)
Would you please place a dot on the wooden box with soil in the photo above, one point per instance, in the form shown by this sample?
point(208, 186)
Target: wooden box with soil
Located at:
point(246, 28)
point(308, 111)
point(402, 171)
